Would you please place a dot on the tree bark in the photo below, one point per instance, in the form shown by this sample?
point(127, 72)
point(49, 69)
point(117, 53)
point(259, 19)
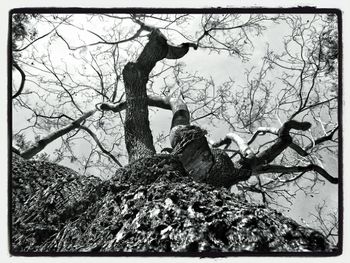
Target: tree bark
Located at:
point(138, 136)
point(191, 146)
point(155, 207)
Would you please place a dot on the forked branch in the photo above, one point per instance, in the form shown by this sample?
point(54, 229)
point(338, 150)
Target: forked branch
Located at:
point(243, 147)
point(93, 135)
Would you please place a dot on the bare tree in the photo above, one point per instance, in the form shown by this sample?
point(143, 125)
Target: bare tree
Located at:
point(103, 77)
point(283, 121)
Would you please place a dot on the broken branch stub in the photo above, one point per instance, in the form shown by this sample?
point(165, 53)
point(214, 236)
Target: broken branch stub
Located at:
point(212, 166)
point(191, 146)
point(189, 142)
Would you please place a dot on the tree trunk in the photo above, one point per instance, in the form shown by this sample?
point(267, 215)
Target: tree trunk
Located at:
point(151, 205)
point(138, 136)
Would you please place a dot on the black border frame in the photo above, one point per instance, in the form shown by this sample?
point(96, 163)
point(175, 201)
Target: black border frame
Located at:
point(214, 10)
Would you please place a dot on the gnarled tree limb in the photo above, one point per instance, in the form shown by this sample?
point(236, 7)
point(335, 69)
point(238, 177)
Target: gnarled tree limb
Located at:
point(284, 140)
point(273, 151)
point(263, 131)
point(243, 147)
point(138, 136)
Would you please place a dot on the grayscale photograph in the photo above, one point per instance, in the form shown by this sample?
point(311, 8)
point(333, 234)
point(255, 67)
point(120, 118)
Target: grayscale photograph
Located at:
point(199, 132)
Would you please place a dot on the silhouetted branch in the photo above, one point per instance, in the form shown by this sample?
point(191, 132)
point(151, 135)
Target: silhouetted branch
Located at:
point(283, 141)
point(93, 135)
point(263, 131)
point(298, 149)
point(322, 139)
point(302, 169)
point(23, 79)
point(153, 101)
point(42, 143)
point(15, 150)
point(41, 37)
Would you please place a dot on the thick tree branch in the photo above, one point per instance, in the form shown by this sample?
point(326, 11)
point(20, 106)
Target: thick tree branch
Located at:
point(292, 145)
point(23, 79)
point(243, 147)
point(296, 169)
point(273, 151)
point(298, 149)
point(153, 101)
point(42, 143)
point(263, 131)
point(284, 140)
point(174, 52)
point(15, 150)
point(138, 136)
